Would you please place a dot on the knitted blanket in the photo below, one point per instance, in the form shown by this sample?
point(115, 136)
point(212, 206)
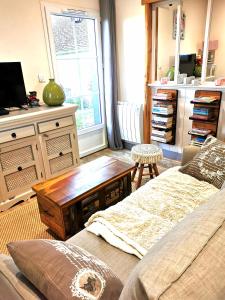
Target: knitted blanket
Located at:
point(135, 224)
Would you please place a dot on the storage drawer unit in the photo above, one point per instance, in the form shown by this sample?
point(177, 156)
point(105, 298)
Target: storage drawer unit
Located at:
point(16, 133)
point(55, 124)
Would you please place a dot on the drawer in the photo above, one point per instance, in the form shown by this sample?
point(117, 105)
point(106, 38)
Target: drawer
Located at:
point(54, 124)
point(16, 133)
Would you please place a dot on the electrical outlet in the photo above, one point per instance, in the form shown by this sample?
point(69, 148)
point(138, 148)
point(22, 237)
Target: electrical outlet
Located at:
point(41, 78)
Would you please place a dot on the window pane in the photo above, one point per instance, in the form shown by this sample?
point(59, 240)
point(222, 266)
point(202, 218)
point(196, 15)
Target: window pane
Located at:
point(77, 66)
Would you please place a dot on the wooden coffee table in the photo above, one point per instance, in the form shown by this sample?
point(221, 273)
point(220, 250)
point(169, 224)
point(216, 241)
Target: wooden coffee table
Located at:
point(67, 201)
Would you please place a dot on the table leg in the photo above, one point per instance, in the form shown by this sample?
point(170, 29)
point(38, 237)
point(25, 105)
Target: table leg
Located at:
point(150, 171)
point(134, 171)
point(140, 176)
point(155, 170)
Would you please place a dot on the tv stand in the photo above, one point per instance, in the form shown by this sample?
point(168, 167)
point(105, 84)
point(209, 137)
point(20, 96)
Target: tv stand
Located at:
point(3, 111)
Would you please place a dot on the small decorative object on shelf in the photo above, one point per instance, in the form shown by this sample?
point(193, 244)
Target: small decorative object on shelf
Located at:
point(205, 116)
point(53, 94)
point(164, 115)
point(32, 100)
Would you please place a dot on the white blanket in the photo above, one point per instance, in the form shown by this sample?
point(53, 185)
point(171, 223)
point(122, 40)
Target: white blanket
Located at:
point(135, 224)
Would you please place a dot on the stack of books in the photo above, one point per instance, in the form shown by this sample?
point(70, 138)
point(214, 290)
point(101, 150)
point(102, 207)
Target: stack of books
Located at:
point(198, 141)
point(209, 99)
point(200, 131)
point(163, 122)
point(163, 96)
point(162, 109)
point(202, 113)
point(163, 136)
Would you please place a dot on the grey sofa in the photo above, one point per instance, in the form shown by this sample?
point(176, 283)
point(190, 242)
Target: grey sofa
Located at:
point(186, 264)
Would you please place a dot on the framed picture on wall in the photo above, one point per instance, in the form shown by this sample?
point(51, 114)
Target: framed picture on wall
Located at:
point(182, 29)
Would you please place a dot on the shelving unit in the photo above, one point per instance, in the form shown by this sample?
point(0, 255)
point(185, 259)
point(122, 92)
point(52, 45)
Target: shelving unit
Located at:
point(201, 128)
point(161, 133)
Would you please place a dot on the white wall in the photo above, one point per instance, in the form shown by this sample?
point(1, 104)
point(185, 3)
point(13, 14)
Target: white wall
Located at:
point(130, 29)
point(22, 37)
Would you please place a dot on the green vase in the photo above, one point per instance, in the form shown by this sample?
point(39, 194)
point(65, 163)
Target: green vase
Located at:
point(53, 94)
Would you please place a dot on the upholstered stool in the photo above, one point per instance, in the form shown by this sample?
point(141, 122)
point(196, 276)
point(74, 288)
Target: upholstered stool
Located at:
point(145, 156)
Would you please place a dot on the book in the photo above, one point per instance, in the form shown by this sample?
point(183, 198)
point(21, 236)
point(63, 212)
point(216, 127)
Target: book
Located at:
point(163, 96)
point(162, 119)
point(161, 139)
point(202, 111)
point(162, 133)
point(200, 131)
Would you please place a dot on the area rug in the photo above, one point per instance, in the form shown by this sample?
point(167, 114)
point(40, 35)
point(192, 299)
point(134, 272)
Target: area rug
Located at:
point(23, 222)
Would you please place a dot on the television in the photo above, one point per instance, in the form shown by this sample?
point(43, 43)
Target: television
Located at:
point(12, 88)
point(187, 64)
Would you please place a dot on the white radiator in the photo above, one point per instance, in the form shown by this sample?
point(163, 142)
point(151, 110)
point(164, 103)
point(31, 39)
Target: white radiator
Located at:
point(131, 121)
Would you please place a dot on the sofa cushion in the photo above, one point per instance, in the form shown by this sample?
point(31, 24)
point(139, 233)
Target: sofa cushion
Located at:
point(209, 164)
point(13, 284)
point(64, 271)
point(188, 263)
point(120, 262)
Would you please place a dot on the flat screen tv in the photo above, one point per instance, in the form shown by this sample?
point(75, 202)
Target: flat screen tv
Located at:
point(12, 88)
point(187, 64)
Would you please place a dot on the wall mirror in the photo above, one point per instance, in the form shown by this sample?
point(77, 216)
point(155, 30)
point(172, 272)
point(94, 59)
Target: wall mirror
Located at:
point(188, 39)
point(216, 46)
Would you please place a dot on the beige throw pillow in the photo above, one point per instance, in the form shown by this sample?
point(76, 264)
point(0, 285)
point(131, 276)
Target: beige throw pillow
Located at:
point(209, 164)
point(62, 271)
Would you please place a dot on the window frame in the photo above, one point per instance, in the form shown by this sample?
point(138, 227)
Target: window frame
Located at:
point(47, 9)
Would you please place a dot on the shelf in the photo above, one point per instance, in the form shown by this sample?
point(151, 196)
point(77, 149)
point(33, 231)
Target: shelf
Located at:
point(164, 115)
point(163, 100)
point(212, 121)
point(207, 105)
point(162, 127)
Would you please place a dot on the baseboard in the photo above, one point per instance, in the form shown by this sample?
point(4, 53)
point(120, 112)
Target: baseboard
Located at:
point(172, 155)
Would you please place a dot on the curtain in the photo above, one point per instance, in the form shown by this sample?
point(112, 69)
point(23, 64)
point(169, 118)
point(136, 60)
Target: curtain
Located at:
point(108, 30)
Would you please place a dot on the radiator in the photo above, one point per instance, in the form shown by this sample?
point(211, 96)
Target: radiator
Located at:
point(131, 121)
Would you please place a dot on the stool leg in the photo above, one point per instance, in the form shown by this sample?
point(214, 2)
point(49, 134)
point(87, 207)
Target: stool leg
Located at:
point(140, 176)
point(155, 170)
point(150, 171)
point(134, 171)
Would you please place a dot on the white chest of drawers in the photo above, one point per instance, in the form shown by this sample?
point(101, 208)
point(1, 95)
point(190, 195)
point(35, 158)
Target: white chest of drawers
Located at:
point(35, 145)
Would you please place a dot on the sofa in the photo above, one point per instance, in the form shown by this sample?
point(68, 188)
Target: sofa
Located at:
point(187, 263)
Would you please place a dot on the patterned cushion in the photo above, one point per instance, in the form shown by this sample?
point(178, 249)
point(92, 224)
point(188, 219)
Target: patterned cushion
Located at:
point(209, 164)
point(63, 271)
point(223, 186)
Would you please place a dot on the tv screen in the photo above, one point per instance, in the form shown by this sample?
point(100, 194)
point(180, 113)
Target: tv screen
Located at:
point(187, 64)
point(12, 89)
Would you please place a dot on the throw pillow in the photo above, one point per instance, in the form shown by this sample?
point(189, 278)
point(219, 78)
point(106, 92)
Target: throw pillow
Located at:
point(63, 271)
point(209, 163)
point(223, 186)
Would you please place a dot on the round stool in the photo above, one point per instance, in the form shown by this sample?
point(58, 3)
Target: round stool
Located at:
point(145, 154)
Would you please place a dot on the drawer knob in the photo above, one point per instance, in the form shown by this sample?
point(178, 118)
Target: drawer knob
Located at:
point(60, 154)
point(19, 169)
point(13, 135)
point(57, 124)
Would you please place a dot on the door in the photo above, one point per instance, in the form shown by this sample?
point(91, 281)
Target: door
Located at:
point(74, 40)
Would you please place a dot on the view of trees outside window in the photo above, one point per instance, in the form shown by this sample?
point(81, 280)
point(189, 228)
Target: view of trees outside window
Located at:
point(77, 66)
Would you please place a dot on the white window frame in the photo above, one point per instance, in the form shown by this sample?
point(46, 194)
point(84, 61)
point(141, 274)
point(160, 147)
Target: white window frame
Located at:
point(47, 9)
point(177, 50)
